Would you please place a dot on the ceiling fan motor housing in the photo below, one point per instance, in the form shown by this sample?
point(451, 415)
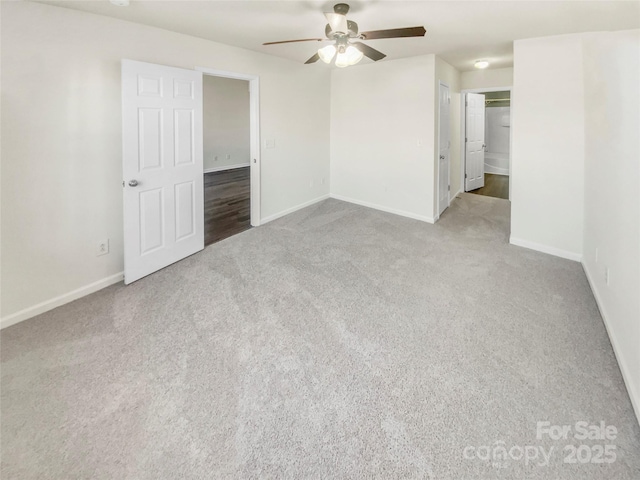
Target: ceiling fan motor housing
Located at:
point(341, 8)
point(352, 32)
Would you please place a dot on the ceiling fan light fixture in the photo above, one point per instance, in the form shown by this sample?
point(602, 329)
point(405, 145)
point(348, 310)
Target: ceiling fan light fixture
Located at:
point(327, 53)
point(342, 60)
point(353, 55)
point(350, 56)
point(481, 64)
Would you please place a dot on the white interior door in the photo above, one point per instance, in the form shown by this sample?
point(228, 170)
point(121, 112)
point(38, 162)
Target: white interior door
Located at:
point(162, 166)
point(474, 146)
point(444, 147)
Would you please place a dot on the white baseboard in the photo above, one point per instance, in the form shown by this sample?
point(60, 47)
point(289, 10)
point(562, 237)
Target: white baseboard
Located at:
point(226, 167)
point(270, 218)
point(496, 170)
point(454, 196)
point(382, 208)
point(624, 369)
point(577, 257)
point(59, 300)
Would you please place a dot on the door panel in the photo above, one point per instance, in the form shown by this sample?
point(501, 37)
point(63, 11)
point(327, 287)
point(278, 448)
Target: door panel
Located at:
point(151, 220)
point(185, 221)
point(149, 86)
point(162, 166)
point(182, 89)
point(474, 146)
point(150, 135)
point(184, 137)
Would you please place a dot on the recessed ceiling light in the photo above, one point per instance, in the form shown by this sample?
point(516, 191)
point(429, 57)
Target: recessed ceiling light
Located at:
point(481, 64)
point(120, 3)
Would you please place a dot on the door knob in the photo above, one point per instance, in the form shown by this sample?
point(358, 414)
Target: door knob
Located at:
point(441, 157)
point(133, 183)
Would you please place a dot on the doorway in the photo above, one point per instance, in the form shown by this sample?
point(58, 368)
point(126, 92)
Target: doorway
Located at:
point(231, 149)
point(487, 142)
point(227, 157)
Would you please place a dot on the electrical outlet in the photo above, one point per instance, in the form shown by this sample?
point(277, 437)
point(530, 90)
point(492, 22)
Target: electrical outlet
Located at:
point(322, 181)
point(215, 158)
point(102, 247)
point(228, 157)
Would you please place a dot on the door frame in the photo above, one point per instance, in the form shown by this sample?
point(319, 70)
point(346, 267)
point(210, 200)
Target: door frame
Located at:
point(254, 134)
point(463, 129)
point(437, 212)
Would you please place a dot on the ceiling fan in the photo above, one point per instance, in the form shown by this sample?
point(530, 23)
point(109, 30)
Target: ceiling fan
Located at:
point(344, 33)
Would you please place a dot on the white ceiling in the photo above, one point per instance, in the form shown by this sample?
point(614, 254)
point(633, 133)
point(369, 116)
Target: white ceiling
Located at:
point(459, 32)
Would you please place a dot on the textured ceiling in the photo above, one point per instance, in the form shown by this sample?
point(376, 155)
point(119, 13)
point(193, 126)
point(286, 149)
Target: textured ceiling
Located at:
point(459, 32)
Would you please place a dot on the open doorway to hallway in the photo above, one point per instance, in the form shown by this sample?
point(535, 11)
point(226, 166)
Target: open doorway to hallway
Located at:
point(227, 157)
point(488, 143)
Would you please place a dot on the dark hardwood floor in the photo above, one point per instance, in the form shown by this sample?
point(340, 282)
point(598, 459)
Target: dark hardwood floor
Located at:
point(494, 186)
point(227, 204)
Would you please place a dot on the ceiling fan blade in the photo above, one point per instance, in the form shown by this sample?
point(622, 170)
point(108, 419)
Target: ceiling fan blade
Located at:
point(395, 33)
point(372, 53)
point(294, 41)
point(338, 22)
point(313, 59)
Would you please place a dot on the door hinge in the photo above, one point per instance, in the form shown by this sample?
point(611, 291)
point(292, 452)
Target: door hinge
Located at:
point(465, 175)
point(449, 188)
point(465, 139)
point(122, 183)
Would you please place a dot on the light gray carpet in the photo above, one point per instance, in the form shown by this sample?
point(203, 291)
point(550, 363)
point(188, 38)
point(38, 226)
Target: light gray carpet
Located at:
point(337, 342)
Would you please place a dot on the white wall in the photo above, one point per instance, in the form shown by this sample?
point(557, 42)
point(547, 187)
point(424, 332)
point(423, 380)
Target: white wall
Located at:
point(497, 129)
point(450, 76)
point(612, 198)
point(489, 78)
point(382, 135)
point(226, 122)
point(576, 170)
point(547, 176)
point(61, 141)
